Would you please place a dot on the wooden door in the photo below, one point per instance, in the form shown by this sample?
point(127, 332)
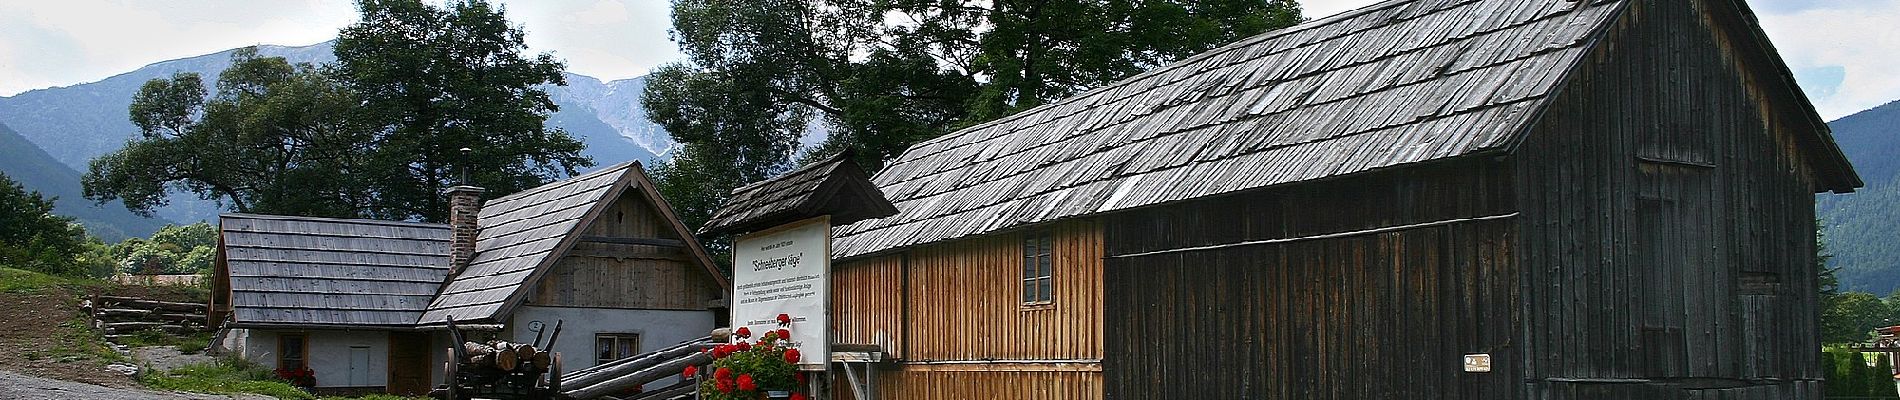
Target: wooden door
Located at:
point(408, 364)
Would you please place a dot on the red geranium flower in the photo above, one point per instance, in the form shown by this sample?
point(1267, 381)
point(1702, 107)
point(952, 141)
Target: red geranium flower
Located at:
point(784, 319)
point(746, 384)
point(800, 377)
point(798, 396)
point(724, 385)
point(722, 373)
point(743, 332)
point(743, 346)
point(791, 356)
point(689, 372)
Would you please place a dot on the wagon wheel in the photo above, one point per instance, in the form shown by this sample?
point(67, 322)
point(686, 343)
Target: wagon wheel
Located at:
point(554, 374)
point(449, 368)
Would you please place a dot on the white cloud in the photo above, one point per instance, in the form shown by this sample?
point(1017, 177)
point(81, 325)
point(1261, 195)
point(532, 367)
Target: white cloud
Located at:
point(70, 42)
point(1857, 37)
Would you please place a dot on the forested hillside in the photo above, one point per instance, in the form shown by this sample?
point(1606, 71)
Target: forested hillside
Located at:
point(1860, 226)
point(34, 169)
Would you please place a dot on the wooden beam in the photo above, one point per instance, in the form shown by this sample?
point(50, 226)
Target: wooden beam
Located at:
point(633, 241)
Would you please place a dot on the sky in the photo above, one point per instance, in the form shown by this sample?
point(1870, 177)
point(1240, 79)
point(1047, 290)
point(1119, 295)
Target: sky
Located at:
point(1845, 53)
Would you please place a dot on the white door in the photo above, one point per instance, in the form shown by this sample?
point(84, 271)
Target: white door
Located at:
point(359, 366)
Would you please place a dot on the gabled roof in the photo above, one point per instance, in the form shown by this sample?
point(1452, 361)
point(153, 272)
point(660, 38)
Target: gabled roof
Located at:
point(524, 234)
point(1391, 84)
point(835, 187)
point(330, 272)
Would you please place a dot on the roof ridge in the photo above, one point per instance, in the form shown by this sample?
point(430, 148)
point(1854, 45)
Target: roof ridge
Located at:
point(360, 221)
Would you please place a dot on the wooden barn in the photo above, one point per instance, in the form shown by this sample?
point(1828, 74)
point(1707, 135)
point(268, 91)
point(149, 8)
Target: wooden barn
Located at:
point(1432, 199)
point(362, 303)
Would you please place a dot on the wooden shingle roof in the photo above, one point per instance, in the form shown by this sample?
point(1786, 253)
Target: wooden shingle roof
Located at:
point(1391, 84)
point(523, 234)
point(836, 187)
point(331, 272)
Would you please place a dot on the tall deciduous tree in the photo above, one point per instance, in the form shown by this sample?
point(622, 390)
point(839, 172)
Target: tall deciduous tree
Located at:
point(376, 134)
point(274, 138)
point(434, 80)
point(882, 75)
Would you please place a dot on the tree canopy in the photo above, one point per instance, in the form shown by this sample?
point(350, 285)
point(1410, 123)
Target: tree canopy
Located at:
point(31, 236)
point(879, 76)
point(376, 135)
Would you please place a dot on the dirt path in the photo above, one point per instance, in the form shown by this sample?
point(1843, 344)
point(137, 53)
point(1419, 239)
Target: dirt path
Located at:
point(47, 336)
point(21, 387)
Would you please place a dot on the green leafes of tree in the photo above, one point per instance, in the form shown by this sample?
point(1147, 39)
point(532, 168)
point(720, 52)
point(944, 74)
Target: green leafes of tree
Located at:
point(273, 138)
point(435, 80)
point(376, 135)
point(32, 237)
point(882, 75)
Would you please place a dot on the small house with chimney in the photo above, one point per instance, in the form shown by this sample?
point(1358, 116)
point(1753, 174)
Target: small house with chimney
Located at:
point(362, 304)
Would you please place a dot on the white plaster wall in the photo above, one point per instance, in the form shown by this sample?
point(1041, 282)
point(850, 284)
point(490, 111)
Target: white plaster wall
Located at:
point(657, 328)
point(329, 353)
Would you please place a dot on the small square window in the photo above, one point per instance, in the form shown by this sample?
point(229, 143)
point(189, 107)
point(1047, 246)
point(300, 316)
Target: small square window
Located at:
point(290, 351)
point(614, 346)
point(1038, 268)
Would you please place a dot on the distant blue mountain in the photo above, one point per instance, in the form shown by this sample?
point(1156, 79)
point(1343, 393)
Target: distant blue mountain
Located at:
point(38, 171)
point(75, 123)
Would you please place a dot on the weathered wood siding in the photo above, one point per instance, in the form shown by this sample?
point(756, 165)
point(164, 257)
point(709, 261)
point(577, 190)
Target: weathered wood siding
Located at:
point(606, 275)
point(867, 303)
point(915, 383)
point(966, 300)
point(1285, 293)
point(954, 313)
point(1668, 222)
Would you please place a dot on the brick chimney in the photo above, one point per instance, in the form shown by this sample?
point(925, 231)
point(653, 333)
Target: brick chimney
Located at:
point(465, 205)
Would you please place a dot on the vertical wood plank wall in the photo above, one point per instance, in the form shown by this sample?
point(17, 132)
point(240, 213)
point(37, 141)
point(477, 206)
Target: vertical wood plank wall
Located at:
point(603, 275)
point(960, 325)
point(1668, 222)
point(1388, 314)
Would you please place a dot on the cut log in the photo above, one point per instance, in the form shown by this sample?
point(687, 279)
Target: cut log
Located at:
point(542, 360)
point(486, 360)
point(668, 368)
point(505, 359)
point(130, 302)
point(524, 354)
point(473, 349)
point(630, 365)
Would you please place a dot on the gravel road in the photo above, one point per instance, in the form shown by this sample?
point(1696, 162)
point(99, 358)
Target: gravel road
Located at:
point(21, 387)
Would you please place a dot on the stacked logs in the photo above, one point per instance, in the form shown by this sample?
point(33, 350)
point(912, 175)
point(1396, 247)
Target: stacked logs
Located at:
point(506, 356)
point(122, 316)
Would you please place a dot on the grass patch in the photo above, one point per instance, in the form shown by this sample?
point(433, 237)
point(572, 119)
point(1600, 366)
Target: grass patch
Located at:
point(77, 341)
point(375, 397)
point(14, 280)
point(224, 376)
point(188, 343)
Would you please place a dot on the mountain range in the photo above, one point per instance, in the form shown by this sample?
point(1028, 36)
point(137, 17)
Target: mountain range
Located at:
point(1859, 226)
point(32, 168)
point(73, 124)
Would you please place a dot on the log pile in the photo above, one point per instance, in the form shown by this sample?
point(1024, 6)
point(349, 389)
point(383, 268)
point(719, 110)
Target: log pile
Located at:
point(118, 317)
point(502, 356)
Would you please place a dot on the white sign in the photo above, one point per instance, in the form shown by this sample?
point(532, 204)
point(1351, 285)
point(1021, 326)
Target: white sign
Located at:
point(785, 270)
point(1477, 363)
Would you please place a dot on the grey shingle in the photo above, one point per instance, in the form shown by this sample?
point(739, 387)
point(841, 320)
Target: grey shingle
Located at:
point(1396, 83)
point(323, 271)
